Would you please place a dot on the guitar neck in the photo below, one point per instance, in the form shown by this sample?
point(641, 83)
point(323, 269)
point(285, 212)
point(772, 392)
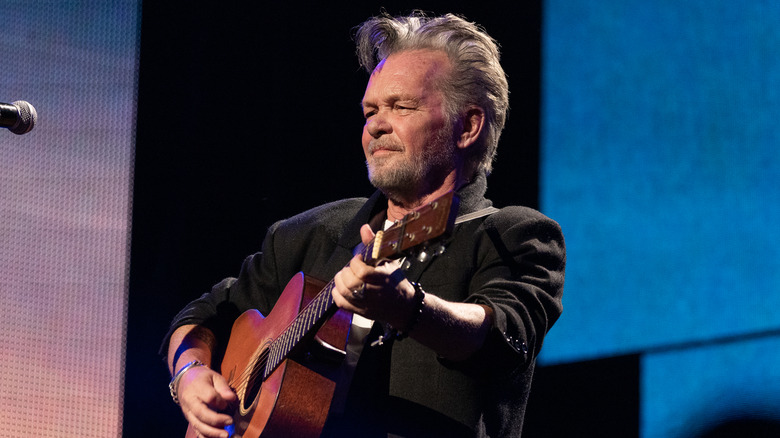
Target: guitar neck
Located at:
point(308, 321)
point(415, 229)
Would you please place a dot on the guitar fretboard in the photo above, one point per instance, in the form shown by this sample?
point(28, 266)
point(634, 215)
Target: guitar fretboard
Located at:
point(308, 321)
point(416, 228)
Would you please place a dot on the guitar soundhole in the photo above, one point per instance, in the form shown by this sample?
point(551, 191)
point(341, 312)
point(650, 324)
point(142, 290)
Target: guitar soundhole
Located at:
point(254, 381)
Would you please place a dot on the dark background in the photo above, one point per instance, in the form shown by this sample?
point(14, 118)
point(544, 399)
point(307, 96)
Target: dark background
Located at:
point(249, 114)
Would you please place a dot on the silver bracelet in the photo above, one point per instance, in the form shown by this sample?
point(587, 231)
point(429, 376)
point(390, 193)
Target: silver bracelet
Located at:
point(175, 381)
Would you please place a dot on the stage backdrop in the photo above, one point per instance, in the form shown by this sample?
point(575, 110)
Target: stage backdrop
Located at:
point(64, 216)
point(659, 159)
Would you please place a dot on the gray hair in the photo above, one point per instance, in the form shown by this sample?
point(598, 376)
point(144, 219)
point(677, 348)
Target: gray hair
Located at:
point(477, 77)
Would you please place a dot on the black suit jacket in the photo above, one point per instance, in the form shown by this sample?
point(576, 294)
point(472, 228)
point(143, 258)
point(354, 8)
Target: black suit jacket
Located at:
point(512, 261)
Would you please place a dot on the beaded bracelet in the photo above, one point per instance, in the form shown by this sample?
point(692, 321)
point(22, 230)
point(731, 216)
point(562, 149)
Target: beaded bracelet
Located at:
point(419, 305)
point(398, 335)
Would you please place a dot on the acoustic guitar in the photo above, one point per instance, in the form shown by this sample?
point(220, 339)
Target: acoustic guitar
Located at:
point(284, 367)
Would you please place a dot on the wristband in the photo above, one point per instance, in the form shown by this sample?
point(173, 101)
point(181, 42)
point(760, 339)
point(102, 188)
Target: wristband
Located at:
point(175, 381)
point(394, 334)
point(419, 305)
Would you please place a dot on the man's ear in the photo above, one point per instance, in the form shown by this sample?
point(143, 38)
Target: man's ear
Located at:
point(472, 122)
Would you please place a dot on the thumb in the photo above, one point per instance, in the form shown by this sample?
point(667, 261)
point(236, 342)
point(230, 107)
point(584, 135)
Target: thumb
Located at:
point(223, 389)
point(366, 235)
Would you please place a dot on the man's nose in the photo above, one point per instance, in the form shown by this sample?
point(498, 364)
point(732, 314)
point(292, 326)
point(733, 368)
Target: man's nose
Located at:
point(378, 125)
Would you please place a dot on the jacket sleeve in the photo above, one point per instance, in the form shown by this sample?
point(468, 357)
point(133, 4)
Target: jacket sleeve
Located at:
point(519, 273)
point(304, 242)
point(218, 309)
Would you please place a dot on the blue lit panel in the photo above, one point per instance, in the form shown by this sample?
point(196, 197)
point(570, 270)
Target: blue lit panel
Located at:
point(686, 393)
point(660, 160)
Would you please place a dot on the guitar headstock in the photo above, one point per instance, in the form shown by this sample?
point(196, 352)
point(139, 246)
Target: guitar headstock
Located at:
point(418, 228)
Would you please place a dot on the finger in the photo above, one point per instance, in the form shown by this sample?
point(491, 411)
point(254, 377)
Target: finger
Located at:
point(360, 270)
point(203, 425)
point(202, 393)
point(224, 391)
point(340, 301)
point(341, 293)
point(205, 410)
point(366, 234)
point(339, 284)
point(348, 292)
point(349, 279)
point(209, 432)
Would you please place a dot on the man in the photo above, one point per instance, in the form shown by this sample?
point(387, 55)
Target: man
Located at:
point(435, 105)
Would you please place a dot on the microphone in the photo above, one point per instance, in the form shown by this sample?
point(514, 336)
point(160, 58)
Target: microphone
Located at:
point(19, 117)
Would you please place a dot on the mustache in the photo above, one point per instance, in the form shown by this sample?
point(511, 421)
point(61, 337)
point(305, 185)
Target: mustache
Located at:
point(384, 144)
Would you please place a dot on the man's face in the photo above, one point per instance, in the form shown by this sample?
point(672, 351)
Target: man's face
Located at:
point(407, 138)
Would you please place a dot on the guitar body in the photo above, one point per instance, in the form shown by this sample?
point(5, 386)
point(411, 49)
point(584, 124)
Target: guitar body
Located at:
point(293, 401)
point(284, 367)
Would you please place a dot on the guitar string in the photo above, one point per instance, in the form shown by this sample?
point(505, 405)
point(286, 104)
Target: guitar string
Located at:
point(250, 374)
point(264, 354)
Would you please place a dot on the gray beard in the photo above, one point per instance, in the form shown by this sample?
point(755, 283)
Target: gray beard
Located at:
point(407, 181)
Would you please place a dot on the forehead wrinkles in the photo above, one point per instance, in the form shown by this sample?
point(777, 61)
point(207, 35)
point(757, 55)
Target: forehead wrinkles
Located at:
point(409, 74)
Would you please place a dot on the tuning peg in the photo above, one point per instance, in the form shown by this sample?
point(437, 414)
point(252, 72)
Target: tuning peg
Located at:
point(423, 256)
